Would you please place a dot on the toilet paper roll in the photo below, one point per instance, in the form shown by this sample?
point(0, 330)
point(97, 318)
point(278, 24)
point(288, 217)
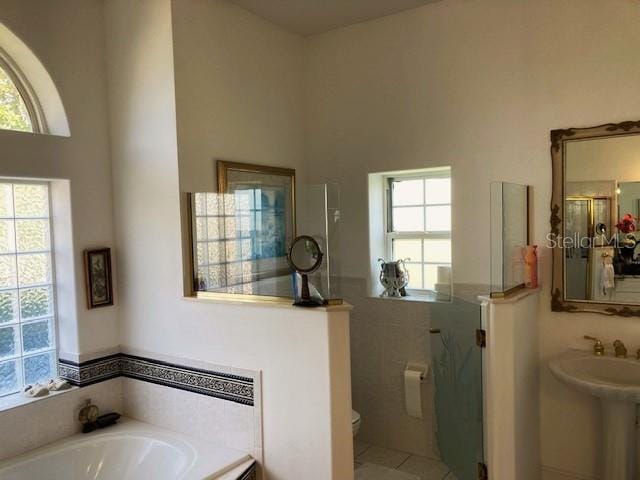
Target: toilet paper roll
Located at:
point(412, 394)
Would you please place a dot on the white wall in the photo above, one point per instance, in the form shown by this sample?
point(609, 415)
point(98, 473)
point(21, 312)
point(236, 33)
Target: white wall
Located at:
point(511, 369)
point(478, 85)
point(385, 336)
point(239, 91)
point(52, 418)
point(222, 422)
point(67, 37)
point(604, 159)
point(144, 156)
point(306, 404)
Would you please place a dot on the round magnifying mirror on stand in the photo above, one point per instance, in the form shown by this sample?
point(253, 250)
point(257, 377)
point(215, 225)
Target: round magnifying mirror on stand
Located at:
point(305, 257)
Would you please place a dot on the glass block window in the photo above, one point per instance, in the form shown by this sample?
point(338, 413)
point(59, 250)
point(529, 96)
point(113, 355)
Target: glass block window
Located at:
point(228, 231)
point(418, 224)
point(27, 307)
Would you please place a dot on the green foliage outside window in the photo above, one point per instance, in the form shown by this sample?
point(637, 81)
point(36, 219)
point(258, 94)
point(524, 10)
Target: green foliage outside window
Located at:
point(13, 111)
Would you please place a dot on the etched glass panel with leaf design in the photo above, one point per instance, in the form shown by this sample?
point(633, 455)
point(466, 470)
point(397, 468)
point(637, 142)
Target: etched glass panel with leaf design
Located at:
point(456, 360)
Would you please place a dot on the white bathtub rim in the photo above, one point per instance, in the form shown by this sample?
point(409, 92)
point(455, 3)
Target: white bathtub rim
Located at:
point(52, 449)
point(208, 469)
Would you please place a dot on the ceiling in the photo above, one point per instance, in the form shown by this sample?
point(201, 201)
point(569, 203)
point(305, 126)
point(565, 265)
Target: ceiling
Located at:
point(309, 17)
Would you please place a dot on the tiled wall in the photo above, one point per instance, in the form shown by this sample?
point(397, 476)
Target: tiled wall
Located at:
point(228, 423)
point(49, 419)
point(217, 421)
point(218, 404)
point(385, 335)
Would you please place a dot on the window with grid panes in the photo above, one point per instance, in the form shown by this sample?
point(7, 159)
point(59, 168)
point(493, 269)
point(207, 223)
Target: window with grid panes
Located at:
point(15, 107)
point(229, 253)
point(27, 306)
point(419, 224)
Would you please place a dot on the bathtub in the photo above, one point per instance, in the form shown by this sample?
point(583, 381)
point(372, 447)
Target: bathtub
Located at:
point(130, 450)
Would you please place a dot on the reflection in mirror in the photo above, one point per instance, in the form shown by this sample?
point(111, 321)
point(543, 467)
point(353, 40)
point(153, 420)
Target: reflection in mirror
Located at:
point(237, 250)
point(305, 254)
point(601, 208)
point(240, 243)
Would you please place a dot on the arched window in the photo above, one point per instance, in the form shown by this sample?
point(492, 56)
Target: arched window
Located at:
point(29, 99)
point(17, 110)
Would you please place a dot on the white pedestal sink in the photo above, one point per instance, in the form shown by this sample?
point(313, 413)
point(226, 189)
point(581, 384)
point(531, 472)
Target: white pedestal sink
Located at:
point(616, 382)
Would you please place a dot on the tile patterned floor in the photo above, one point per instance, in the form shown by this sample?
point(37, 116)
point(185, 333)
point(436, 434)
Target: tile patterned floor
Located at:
point(377, 463)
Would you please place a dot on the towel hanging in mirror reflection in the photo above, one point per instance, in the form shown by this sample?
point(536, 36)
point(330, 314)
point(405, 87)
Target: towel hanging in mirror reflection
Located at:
point(608, 274)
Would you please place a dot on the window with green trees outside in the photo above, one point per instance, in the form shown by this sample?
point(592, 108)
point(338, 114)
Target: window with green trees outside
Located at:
point(14, 113)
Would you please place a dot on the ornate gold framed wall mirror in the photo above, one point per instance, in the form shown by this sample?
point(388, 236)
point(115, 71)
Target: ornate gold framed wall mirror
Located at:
point(595, 226)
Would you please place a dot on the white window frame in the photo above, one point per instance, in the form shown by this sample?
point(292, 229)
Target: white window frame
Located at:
point(54, 317)
point(390, 236)
point(34, 109)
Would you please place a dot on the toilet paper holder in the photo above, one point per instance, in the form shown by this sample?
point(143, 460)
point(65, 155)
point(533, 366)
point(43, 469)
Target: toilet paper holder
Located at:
point(418, 367)
point(415, 375)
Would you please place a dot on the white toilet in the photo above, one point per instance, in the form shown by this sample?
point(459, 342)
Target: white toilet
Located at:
point(355, 422)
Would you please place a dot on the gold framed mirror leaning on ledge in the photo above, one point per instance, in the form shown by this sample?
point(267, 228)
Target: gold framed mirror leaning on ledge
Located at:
point(595, 226)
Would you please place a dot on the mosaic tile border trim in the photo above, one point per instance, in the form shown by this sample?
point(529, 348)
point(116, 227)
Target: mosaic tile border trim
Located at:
point(234, 388)
point(214, 384)
point(91, 371)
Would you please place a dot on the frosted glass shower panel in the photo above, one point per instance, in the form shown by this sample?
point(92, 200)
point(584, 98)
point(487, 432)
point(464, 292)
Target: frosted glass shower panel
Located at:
point(457, 374)
point(509, 235)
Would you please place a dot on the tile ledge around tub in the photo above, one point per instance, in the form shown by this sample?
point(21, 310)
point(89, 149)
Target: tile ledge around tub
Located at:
point(269, 303)
point(17, 400)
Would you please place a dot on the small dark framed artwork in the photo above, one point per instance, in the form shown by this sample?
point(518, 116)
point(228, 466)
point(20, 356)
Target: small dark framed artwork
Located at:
point(97, 270)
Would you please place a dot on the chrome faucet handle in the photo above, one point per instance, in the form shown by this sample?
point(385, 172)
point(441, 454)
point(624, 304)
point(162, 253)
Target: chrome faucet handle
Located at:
point(88, 414)
point(621, 350)
point(598, 347)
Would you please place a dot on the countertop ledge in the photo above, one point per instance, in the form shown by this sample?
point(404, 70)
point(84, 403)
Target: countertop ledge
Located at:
point(515, 297)
point(18, 400)
point(345, 307)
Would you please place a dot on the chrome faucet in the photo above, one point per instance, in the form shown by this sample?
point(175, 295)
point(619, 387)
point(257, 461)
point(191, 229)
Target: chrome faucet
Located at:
point(621, 350)
point(90, 420)
point(598, 347)
point(88, 416)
